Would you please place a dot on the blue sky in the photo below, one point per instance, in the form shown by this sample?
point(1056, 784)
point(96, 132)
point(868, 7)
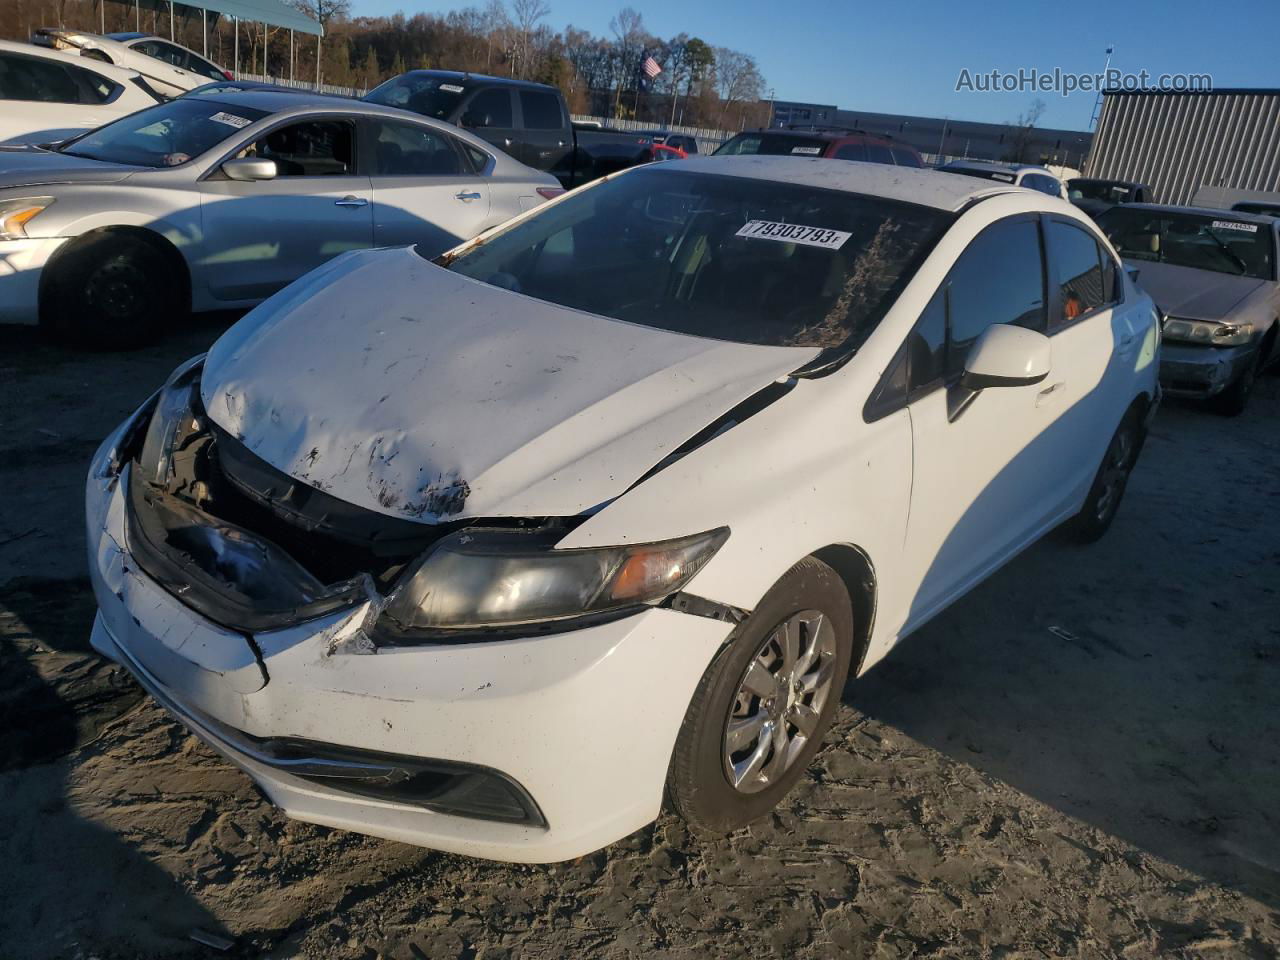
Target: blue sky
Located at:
point(905, 56)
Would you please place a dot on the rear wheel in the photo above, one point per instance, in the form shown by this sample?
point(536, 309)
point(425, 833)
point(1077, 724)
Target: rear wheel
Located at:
point(1110, 482)
point(762, 707)
point(110, 291)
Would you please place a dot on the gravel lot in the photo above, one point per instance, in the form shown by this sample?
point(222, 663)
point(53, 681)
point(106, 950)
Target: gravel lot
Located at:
point(1081, 759)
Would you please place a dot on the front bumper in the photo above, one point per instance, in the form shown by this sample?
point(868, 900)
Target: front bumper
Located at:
point(21, 263)
point(1197, 372)
point(584, 721)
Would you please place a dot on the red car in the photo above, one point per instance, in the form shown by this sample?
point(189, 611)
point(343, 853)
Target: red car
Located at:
point(842, 145)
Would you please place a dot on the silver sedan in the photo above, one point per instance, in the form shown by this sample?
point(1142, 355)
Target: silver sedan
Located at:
point(211, 203)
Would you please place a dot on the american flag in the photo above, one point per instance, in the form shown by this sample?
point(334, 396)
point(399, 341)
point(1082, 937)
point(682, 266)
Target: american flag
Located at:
point(650, 67)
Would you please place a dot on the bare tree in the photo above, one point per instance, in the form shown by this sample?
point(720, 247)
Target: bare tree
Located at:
point(526, 14)
point(1022, 132)
point(628, 29)
point(737, 79)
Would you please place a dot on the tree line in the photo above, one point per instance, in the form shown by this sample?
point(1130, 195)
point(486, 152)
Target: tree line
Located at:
point(700, 84)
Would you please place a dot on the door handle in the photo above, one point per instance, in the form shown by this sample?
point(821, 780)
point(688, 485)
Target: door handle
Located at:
point(351, 202)
point(466, 197)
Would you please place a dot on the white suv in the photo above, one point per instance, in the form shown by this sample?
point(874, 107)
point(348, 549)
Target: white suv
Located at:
point(492, 552)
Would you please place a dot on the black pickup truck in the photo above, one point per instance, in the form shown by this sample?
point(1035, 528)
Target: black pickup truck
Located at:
point(528, 120)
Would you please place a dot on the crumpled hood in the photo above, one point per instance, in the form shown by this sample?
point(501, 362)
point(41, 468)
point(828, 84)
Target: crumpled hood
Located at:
point(1192, 293)
point(30, 166)
point(405, 388)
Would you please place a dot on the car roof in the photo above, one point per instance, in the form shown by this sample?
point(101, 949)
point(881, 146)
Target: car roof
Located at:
point(118, 74)
point(465, 78)
point(995, 166)
point(908, 184)
point(276, 100)
point(1243, 216)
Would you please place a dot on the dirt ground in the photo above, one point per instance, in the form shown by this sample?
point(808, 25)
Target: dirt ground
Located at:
point(1081, 759)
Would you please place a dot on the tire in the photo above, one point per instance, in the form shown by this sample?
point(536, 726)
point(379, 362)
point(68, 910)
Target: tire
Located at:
point(1110, 482)
point(110, 291)
point(812, 601)
point(1232, 401)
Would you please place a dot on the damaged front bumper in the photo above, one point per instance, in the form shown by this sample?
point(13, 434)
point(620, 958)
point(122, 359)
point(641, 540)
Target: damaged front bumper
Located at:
point(531, 749)
point(1200, 372)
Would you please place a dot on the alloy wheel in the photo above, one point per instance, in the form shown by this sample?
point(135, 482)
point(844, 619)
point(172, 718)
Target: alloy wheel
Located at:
point(779, 701)
point(1115, 473)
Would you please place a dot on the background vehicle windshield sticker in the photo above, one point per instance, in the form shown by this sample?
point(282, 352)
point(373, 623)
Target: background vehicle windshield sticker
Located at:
point(793, 233)
point(1006, 177)
point(814, 151)
point(451, 88)
point(1233, 225)
point(231, 120)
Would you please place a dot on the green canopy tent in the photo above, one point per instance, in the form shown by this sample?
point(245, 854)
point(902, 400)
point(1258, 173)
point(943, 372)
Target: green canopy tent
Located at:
point(274, 13)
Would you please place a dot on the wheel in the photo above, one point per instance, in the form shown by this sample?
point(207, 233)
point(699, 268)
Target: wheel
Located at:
point(110, 291)
point(1094, 518)
point(1232, 401)
point(760, 711)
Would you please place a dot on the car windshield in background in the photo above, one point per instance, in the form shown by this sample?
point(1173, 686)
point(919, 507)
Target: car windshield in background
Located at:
point(165, 135)
point(732, 258)
point(1098, 190)
point(1213, 241)
point(1004, 176)
point(772, 144)
point(425, 95)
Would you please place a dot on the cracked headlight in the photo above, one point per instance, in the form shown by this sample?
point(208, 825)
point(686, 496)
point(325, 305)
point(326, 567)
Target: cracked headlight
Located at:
point(487, 580)
point(171, 420)
point(14, 215)
point(1207, 333)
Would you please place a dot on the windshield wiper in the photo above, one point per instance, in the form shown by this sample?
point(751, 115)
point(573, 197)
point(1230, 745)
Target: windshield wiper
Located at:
point(1228, 251)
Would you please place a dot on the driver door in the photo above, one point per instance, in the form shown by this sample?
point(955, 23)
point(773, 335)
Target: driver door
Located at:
point(262, 235)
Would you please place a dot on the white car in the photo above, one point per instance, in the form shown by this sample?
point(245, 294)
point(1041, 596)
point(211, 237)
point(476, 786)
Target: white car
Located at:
point(216, 202)
point(46, 96)
point(1027, 175)
point(489, 553)
point(169, 67)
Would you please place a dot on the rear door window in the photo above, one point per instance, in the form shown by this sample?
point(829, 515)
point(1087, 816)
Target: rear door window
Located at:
point(541, 110)
point(407, 150)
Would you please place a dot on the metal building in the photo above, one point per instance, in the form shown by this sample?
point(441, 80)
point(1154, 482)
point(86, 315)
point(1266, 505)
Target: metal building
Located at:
point(1180, 142)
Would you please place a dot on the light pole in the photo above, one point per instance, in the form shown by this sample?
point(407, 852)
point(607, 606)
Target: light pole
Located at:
point(771, 99)
point(1097, 103)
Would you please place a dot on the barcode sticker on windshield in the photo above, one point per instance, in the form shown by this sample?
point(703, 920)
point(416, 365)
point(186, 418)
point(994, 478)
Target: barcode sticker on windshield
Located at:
point(812, 151)
point(1234, 225)
point(451, 88)
point(231, 120)
point(794, 233)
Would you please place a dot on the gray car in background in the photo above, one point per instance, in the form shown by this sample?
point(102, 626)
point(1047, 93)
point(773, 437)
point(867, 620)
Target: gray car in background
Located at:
point(209, 203)
point(1213, 274)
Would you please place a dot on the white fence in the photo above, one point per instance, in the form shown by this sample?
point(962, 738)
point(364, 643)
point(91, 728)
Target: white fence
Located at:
point(708, 138)
point(304, 85)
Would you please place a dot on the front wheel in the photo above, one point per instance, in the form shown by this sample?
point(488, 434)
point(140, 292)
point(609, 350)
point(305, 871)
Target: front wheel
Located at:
point(1109, 483)
point(760, 711)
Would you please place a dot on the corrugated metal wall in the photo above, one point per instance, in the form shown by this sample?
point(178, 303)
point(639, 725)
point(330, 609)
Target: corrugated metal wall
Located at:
point(1179, 142)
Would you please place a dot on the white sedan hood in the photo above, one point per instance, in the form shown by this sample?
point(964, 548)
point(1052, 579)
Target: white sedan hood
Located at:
point(405, 388)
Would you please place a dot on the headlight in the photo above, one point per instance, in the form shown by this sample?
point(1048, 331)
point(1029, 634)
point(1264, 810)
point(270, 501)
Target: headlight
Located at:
point(485, 580)
point(1208, 333)
point(172, 420)
point(15, 214)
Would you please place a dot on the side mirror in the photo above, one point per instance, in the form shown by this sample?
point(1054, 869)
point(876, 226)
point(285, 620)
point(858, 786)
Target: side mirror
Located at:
point(1006, 356)
point(1003, 356)
point(250, 168)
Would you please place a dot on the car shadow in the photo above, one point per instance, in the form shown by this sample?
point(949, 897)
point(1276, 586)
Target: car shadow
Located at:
point(56, 698)
point(1129, 683)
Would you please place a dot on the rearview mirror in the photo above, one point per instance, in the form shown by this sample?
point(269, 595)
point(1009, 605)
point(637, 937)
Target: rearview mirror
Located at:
point(1003, 356)
point(250, 168)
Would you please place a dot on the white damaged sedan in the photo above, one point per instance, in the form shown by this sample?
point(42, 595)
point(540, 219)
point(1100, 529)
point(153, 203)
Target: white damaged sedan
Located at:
point(493, 552)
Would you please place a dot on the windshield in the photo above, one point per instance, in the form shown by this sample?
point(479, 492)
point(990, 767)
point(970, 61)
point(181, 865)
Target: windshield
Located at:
point(1103, 190)
point(1004, 176)
point(733, 258)
point(421, 93)
point(1211, 241)
point(772, 144)
point(164, 135)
